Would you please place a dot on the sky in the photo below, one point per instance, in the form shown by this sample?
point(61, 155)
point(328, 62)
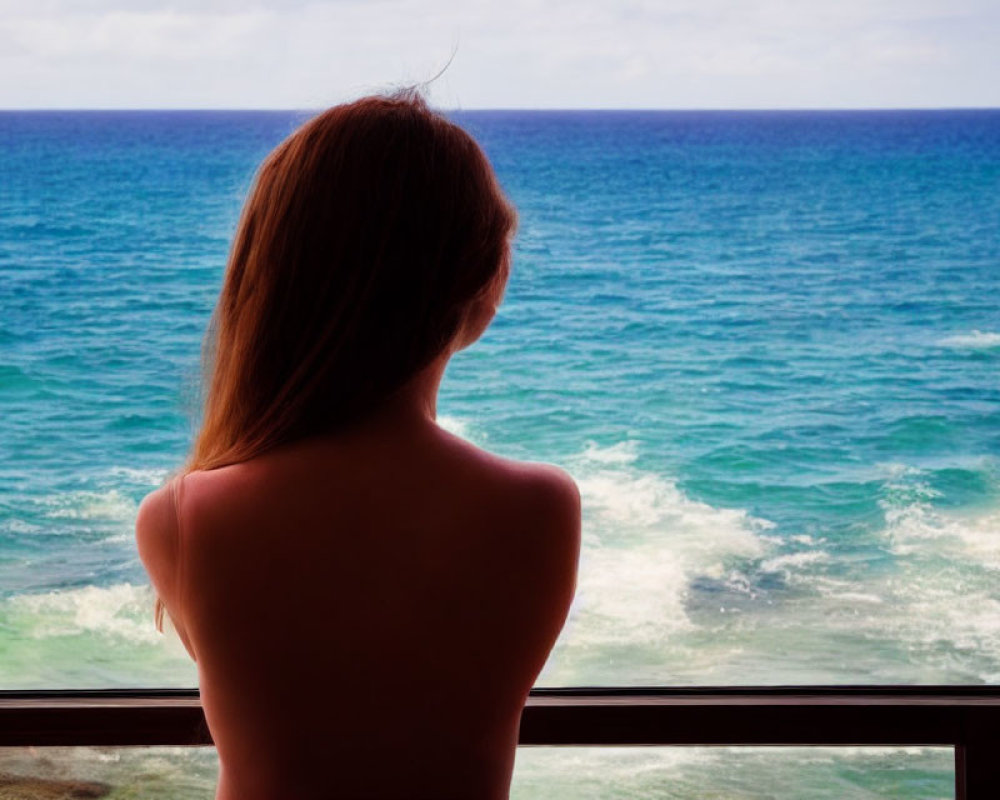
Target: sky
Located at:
point(297, 54)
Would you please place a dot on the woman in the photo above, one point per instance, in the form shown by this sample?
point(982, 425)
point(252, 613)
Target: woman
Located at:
point(367, 597)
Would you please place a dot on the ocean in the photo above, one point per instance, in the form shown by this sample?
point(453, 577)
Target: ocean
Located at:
point(766, 344)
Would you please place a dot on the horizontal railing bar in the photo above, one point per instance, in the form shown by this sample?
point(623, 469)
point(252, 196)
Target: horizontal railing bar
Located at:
point(945, 691)
point(781, 716)
point(848, 690)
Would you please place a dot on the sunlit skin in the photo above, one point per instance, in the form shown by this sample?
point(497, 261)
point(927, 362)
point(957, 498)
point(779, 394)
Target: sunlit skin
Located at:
point(368, 609)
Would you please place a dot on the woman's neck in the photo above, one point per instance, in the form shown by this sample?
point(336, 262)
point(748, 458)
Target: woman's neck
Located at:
point(414, 404)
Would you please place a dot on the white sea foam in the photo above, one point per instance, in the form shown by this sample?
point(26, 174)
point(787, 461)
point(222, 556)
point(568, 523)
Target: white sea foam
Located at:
point(116, 538)
point(841, 591)
point(147, 477)
point(644, 541)
point(459, 427)
point(624, 452)
point(940, 602)
point(794, 562)
point(15, 525)
point(122, 613)
point(106, 505)
point(856, 597)
point(975, 340)
point(920, 529)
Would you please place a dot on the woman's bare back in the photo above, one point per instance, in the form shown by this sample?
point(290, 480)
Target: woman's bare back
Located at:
point(368, 611)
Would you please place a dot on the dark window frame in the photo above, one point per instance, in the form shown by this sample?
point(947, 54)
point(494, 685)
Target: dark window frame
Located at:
point(966, 718)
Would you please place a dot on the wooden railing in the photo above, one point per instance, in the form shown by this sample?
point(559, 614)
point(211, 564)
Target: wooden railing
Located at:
point(965, 718)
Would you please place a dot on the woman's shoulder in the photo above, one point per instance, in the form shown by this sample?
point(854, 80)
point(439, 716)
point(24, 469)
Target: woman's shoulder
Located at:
point(157, 525)
point(533, 510)
point(217, 491)
point(546, 494)
point(536, 486)
point(513, 495)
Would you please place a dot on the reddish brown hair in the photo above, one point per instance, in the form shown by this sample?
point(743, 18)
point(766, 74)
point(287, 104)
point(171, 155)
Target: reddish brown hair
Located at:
point(367, 235)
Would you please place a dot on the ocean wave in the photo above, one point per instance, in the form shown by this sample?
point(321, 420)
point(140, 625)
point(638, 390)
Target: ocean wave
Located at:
point(123, 612)
point(111, 498)
point(89, 636)
point(20, 526)
point(914, 526)
point(673, 589)
point(938, 605)
point(845, 592)
point(977, 340)
point(644, 543)
point(459, 427)
point(143, 476)
point(624, 452)
point(109, 505)
point(794, 562)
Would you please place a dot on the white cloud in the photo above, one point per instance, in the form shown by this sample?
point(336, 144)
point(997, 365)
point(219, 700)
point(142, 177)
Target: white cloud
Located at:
point(130, 36)
point(517, 53)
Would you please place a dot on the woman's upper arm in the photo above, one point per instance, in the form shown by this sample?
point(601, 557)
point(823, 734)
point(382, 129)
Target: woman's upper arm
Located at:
point(548, 551)
point(561, 511)
point(158, 540)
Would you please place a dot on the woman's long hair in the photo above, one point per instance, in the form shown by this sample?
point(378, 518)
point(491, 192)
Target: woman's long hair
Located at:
point(367, 236)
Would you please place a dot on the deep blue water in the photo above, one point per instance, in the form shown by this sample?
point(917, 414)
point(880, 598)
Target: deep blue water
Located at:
point(766, 344)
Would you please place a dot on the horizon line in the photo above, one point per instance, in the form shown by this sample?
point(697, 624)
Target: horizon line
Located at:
point(526, 109)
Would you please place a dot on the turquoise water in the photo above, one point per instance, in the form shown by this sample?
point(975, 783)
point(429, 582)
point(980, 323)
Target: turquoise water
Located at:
point(766, 345)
